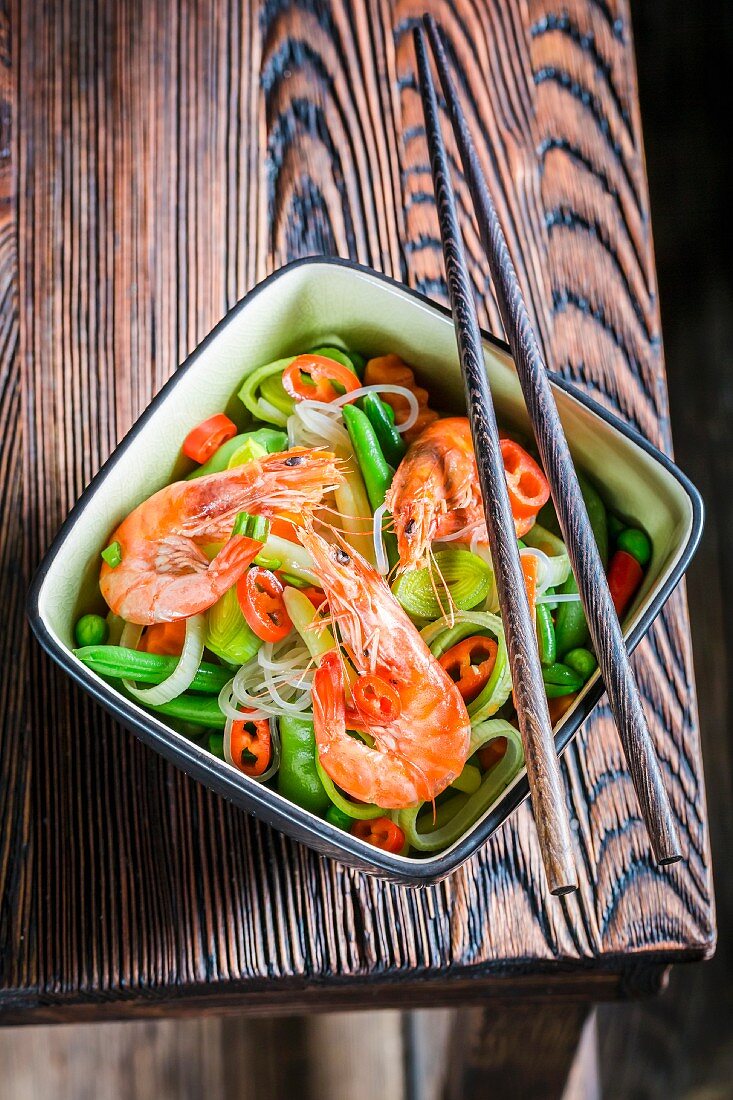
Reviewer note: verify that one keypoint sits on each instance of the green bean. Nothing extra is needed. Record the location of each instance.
(571, 628)
(391, 442)
(91, 630)
(201, 710)
(545, 634)
(375, 469)
(216, 744)
(636, 543)
(121, 663)
(582, 661)
(560, 680)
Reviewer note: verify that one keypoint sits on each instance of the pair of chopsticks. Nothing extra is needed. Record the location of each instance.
(545, 782)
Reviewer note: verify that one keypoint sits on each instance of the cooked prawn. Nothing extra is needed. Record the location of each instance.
(164, 574)
(435, 493)
(424, 744)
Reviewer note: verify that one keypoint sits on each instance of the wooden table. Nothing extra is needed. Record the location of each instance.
(156, 161)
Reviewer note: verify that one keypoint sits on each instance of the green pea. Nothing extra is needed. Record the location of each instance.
(582, 661)
(216, 745)
(338, 818)
(91, 630)
(545, 634)
(561, 676)
(636, 543)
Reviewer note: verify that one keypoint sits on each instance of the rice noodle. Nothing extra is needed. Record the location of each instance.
(384, 387)
(380, 552)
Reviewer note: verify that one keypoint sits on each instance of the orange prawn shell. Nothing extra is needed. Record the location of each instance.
(425, 748)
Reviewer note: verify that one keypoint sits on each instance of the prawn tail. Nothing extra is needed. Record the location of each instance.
(230, 563)
(329, 704)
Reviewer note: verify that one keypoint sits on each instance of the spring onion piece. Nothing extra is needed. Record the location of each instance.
(249, 450)
(455, 579)
(352, 503)
(303, 616)
(468, 781)
(441, 636)
(183, 674)
(476, 805)
(293, 558)
(228, 634)
(112, 554)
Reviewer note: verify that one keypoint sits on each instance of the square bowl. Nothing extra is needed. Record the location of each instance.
(317, 301)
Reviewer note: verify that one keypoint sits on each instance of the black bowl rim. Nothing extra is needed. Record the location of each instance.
(254, 798)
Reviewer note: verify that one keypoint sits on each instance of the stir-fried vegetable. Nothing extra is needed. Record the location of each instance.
(206, 438)
(294, 649)
(456, 579)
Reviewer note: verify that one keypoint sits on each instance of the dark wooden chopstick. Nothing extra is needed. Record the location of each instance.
(545, 782)
(603, 623)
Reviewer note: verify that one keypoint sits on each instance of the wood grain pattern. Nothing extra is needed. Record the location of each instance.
(543, 769)
(168, 156)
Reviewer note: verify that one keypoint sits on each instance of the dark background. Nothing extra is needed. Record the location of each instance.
(681, 1045)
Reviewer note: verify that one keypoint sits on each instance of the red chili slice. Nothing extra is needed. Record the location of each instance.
(470, 663)
(381, 832)
(206, 439)
(376, 699)
(322, 373)
(260, 596)
(251, 745)
(528, 487)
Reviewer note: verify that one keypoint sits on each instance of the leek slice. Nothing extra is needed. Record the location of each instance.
(251, 389)
(455, 578)
(474, 807)
(555, 568)
(228, 634)
(440, 636)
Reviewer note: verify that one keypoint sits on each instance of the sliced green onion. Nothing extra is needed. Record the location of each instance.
(441, 636)
(228, 634)
(183, 674)
(112, 554)
(252, 527)
(248, 452)
(293, 558)
(455, 578)
(492, 784)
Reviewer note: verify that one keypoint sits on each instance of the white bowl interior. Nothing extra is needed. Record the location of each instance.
(320, 303)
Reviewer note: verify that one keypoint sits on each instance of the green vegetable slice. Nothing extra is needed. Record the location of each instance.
(467, 577)
(441, 636)
(272, 441)
(469, 811)
(228, 634)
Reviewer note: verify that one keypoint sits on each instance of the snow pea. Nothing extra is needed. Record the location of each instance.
(391, 442)
(297, 778)
(582, 661)
(268, 438)
(560, 680)
(571, 628)
(120, 663)
(545, 634)
(375, 469)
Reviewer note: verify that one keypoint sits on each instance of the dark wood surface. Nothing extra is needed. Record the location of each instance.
(157, 160)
